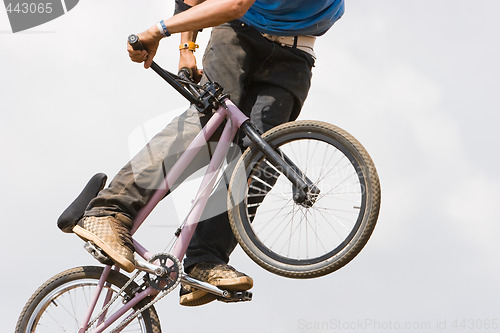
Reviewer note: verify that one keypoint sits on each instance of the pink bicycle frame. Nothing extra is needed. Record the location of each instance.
(234, 120)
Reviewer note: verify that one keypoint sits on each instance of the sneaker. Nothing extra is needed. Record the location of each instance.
(220, 275)
(112, 235)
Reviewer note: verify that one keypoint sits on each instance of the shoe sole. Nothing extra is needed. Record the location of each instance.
(200, 297)
(119, 260)
(196, 298)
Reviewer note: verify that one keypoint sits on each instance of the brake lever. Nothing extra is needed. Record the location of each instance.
(186, 74)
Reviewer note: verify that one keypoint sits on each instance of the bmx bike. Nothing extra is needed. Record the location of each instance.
(303, 200)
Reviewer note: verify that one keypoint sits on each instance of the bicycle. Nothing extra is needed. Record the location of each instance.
(303, 200)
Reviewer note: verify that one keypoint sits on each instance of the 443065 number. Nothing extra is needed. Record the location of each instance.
(32, 8)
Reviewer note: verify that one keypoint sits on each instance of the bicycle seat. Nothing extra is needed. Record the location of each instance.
(71, 215)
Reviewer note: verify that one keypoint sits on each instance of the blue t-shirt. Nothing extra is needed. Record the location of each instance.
(294, 17)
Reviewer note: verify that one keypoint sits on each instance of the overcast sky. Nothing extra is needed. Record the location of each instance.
(415, 81)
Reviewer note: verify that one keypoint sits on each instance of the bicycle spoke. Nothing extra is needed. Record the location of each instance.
(281, 195)
(330, 169)
(261, 181)
(307, 225)
(64, 328)
(65, 308)
(272, 219)
(332, 226)
(292, 213)
(318, 238)
(324, 165)
(280, 209)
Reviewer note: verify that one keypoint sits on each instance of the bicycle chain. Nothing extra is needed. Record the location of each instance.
(158, 297)
(144, 308)
(105, 308)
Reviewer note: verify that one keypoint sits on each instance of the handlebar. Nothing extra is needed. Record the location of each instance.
(166, 75)
(205, 98)
(185, 73)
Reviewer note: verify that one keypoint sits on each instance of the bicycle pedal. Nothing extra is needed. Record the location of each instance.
(237, 296)
(98, 253)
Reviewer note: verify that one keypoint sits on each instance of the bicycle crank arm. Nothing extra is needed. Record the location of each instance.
(224, 295)
(150, 268)
(186, 279)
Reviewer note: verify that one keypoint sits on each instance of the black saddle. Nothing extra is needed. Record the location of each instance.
(70, 217)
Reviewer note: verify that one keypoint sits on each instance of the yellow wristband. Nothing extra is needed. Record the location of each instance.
(189, 45)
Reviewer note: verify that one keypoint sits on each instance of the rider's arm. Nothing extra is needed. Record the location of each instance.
(209, 13)
(187, 58)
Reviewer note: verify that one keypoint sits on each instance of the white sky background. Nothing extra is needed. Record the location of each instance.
(415, 81)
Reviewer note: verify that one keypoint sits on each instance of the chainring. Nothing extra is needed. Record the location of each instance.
(173, 269)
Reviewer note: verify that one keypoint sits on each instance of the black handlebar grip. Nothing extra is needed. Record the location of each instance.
(134, 41)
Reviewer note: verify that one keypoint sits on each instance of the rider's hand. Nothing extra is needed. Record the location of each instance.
(187, 59)
(150, 39)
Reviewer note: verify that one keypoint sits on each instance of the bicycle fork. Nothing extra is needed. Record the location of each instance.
(304, 191)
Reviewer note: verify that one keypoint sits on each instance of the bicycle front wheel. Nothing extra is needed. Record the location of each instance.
(61, 303)
(297, 239)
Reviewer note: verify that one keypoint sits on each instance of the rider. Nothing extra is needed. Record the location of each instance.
(261, 52)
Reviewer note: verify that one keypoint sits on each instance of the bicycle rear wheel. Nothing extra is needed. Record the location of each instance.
(61, 303)
(300, 240)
